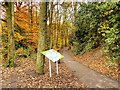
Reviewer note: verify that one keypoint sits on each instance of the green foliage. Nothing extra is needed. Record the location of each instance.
(75, 48)
(112, 43)
(24, 52)
(87, 23)
(110, 26)
(9, 63)
(28, 51)
(110, 63)
(98, 24)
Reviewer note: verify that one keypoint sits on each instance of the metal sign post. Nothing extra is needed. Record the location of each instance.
(57, 66)
(50, 68)
(54, 56)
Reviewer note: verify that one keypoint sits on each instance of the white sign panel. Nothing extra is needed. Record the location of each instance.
(52, 55)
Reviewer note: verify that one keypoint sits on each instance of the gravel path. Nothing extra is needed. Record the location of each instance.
(96, 60)
(88, 76)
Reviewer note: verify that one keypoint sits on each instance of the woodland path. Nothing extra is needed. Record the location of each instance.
(86, 75)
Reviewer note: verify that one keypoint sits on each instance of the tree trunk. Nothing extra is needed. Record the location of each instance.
(62, 37)
(0, 34)
(57, 27)
(48, 28)
(51, 31)
(41, 41)
(10, 27)
(66, 38)
(65, 32)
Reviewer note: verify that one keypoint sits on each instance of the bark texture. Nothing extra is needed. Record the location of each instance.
(41, 40)
(10, 28)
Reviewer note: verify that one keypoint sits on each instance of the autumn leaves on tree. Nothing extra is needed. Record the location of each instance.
(29, 28)
(35, 25)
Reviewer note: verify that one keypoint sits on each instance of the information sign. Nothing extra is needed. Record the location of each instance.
(54, 56)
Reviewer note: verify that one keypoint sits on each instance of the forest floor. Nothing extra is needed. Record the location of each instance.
(24, 76)
(96, 60)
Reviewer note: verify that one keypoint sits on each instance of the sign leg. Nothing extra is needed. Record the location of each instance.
(50, 68)
(57, 66)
